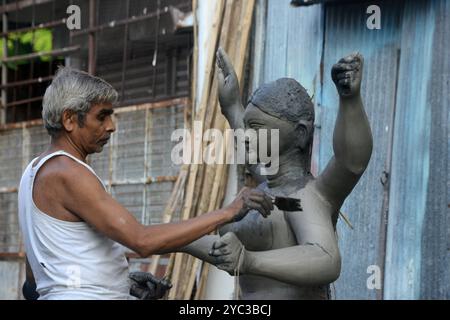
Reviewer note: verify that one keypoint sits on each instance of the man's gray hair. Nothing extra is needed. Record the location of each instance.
(73, 90)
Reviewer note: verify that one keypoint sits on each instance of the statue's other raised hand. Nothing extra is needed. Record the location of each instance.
(347, 75)
(229, 94)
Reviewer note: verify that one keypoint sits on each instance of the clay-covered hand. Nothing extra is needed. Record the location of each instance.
(145, 286)
(248, 199)
(228, 84)
(229, 254)
(347, 75)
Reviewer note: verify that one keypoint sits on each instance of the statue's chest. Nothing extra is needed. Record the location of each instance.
(257, 233)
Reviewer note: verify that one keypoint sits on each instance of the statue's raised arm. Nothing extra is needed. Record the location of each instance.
(229, 93)
(352, 139)
(230, 101)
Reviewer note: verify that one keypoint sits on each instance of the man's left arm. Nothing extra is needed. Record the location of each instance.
(352, 139)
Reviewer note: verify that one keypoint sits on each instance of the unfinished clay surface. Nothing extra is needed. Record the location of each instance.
(292, 255)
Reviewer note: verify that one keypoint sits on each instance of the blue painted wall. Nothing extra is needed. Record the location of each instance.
(417, 260)
(402, 226)
(346, 32)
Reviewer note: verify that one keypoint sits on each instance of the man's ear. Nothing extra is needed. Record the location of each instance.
(304, 129)
(69, 120)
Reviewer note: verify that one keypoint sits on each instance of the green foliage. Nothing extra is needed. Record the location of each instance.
(28, 42)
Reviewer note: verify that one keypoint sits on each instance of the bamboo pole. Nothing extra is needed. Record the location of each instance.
(227, 40)
(201, 287)
(194, 71)
(230, 9)
(206, 184)
(219, 186)
(193, 168)
(210, 64)
(216, 174)
(171, 206)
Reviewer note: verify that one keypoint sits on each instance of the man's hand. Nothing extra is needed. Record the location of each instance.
(229, 253)
(249, 199)
(347, 75)
(229, 94)
(145, 286)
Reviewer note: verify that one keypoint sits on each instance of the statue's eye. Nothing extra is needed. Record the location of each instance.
(255, 125)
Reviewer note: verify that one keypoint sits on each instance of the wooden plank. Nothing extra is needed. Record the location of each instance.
(228, 43)
(191, 279)
(174, 200)
(194, 79)
(236, 21)
(237, 48)
(193, 169)
(205, 173)
(12, 255)
(201, 287)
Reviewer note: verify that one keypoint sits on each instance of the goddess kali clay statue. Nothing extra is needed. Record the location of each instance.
(292, 255)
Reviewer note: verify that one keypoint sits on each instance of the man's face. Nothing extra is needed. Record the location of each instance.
(97, 128)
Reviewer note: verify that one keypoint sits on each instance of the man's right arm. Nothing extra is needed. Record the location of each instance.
(85, 197)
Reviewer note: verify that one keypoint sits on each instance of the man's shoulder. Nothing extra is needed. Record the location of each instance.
(67, 179)
(62, 168)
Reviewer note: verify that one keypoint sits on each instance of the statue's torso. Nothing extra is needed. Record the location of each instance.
(274, 232)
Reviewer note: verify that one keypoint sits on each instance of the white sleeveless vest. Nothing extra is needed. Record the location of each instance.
(70, 260)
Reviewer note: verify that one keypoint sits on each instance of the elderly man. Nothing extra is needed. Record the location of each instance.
(72, 227)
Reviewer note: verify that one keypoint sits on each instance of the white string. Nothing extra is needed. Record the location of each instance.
(237, 288)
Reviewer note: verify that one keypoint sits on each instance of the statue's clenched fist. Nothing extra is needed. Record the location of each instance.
(347, 75)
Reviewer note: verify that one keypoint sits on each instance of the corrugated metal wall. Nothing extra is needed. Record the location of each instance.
(418, 264)
(405, 92)
(346, 32)
(435, 264)
(285, 53)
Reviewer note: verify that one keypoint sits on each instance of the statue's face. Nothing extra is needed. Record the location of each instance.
(256, 119)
